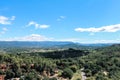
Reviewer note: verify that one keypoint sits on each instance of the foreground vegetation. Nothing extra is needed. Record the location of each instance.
(98, 64)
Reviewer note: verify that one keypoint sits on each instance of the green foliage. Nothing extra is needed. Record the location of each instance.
(100, 77)
(94, 62)
(78, 79)
(45, 78)
(73, 68)
(10, 74)
(70, 53)
(104, 59)
(2, 72)
(32, 76)
(18, 73)
(67, 73)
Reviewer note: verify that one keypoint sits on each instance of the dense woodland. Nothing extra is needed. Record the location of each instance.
(98, 64)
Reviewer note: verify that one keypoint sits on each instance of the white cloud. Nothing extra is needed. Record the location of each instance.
(110, 28)
(36, 25)
(6, 20)
(61, 18)
(69, 39)
(32, 37)
(43, 26)
(31, 23)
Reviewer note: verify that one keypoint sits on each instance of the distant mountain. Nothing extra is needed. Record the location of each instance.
(32, 43)
(98, 44)
(49, 44)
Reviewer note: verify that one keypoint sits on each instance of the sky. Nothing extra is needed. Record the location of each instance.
(83, 21)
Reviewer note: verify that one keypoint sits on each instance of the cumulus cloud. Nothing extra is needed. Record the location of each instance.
(32, 37)
(43, 26)
(6, 20)
(61, 18)
(110, 28)
(36, 25)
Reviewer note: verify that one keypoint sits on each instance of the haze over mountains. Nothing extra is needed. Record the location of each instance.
(48, 44)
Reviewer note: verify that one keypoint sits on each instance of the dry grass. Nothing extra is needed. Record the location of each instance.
(76, 75)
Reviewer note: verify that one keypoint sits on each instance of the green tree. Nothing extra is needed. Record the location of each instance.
(67, 73)
(73, 68)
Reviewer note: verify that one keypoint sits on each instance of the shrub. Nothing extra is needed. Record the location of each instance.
(73, 68)
(67, 73)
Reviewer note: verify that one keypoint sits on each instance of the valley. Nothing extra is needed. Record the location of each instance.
(71, 63)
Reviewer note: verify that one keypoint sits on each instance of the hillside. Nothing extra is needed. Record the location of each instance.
(104, 63)
(101, 63)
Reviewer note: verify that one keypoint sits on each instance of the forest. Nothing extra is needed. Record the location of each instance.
(101, 63)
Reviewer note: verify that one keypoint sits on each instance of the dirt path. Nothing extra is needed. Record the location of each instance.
(83, 74)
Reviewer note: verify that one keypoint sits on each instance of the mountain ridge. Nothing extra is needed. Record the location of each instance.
(49, 44)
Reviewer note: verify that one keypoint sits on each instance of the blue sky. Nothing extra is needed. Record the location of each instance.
(84, 21)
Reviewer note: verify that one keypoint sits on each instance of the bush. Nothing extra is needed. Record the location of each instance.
(78, 79)
(32, 76)
(101, 78)
(73, 68)
(67, 73)
(18, 73)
